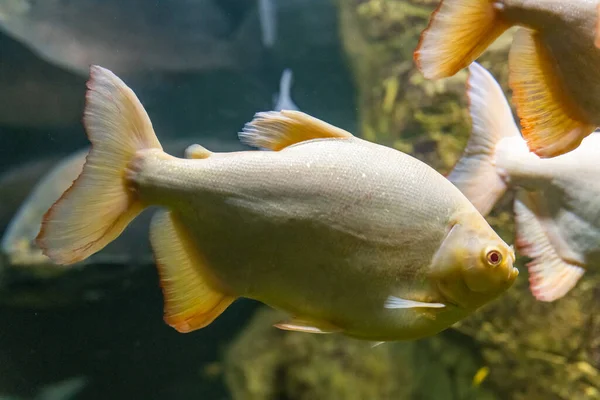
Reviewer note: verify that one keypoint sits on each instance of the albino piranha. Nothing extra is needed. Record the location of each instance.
(557, 212)
(553, 61)
(344, 235)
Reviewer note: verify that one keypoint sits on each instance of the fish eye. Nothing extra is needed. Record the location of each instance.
(494, 257)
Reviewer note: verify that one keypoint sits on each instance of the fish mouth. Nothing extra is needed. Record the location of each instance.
(513, 272)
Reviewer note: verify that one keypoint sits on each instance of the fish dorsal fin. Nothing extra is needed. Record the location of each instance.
(302, 325)
(275, 130)
(550, 277)
(196, 151)
(191, 301)
(548, 120)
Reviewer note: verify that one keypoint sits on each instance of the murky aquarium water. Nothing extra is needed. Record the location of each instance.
(299, 199)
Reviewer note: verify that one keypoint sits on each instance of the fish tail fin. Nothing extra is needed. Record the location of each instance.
(476, 174)
(458, 32)
(100, 203)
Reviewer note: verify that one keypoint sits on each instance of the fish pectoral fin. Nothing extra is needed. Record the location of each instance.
(196, 151)
(549, 120)
(300, 325)
(275, 130)
(393, 302)
(458, 32)
(191, 301)
(375, 344)
(550, 277)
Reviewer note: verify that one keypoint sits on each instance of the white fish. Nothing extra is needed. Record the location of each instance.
(132, 36)
(345, 235)
(557, 212)
(283, 100)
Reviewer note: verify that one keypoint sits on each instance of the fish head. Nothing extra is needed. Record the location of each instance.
(473, 264)
(13, 8)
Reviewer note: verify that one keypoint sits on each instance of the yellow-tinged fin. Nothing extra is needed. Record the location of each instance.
(192, 300)
(275, 130)
(458, 32)
(475, 174)
(548, 119)
(301, 325)
(99, 204)
(550, 277)
(196, 151)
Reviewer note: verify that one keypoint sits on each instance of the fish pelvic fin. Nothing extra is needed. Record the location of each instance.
(302, 325)
(549, 122)
(275, 130)
(100, 203)
(192, 299)
(458, 32)
(550, 277)
(475, 174)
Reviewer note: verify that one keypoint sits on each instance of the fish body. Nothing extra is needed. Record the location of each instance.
(345, 235)
(129, 36)
(556, 209)
(552, 61)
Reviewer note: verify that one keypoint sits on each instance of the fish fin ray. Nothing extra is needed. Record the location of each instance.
(458, 32)
(275, 130)
(548, 121)
(475, 174)
(393, 302)
(191, 301)
(99, 205)
(302, 325)
(550, 277)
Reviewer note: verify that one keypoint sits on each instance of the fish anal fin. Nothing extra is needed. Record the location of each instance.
(458, 32)
(275, 130)
(550, 276)
(549, 122)
(192, 300)
(301, 325)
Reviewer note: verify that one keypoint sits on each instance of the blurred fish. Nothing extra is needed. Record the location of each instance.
(19, 238)
(267, 12)
(553, 72)
(345, 235)
(65, 390)
(132, 36)
(556, 209)
(283, 100)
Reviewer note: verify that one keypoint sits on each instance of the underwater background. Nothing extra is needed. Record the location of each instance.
(96, 331)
